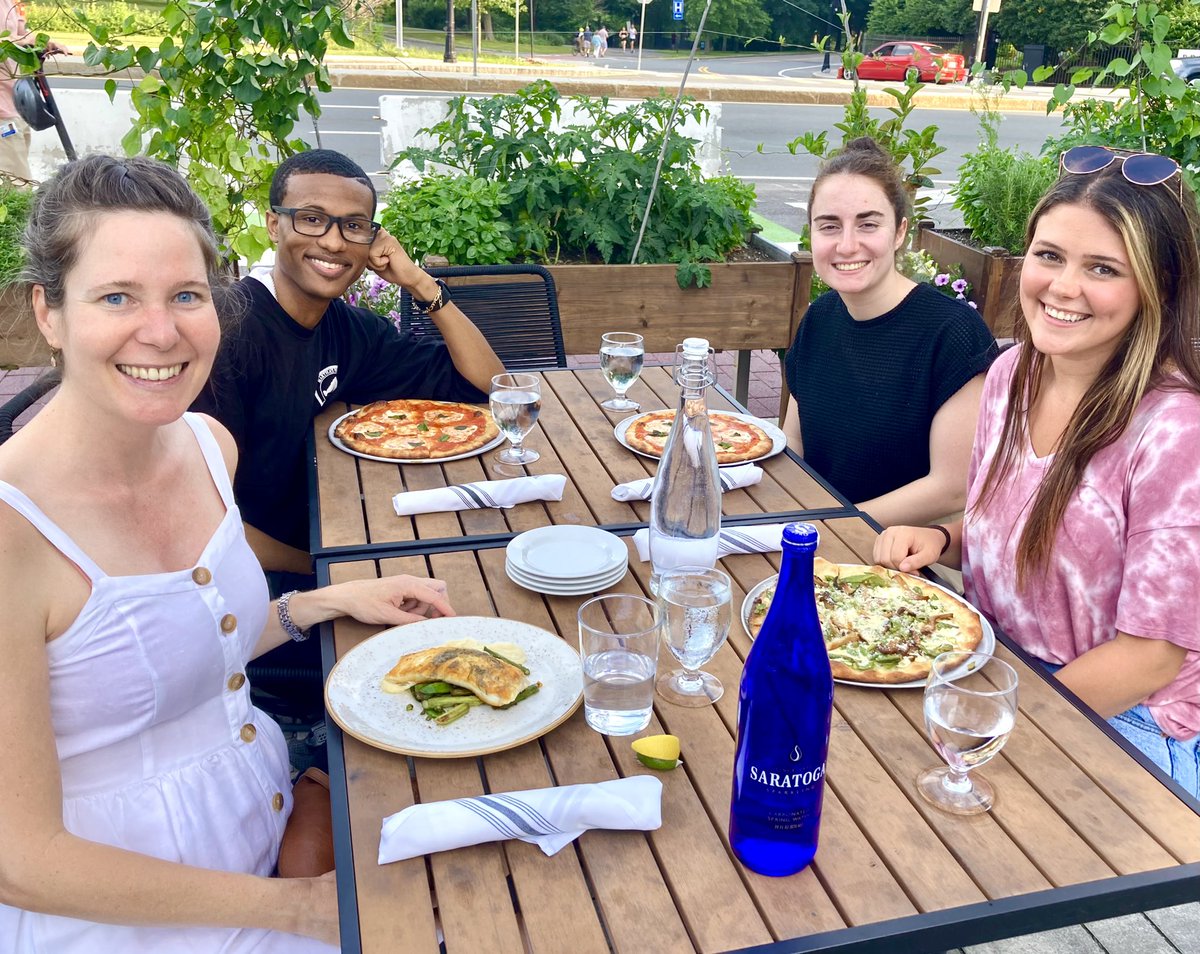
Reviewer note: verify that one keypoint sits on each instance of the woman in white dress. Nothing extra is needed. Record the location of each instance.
(144, 796)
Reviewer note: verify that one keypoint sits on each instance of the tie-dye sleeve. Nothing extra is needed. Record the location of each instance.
(1162, 557)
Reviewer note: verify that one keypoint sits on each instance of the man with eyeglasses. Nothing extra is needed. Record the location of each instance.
(299, 345)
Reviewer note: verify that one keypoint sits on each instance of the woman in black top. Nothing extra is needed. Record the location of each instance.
(886, 374)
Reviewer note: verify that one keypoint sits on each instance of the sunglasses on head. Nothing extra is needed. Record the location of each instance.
(1140, 168)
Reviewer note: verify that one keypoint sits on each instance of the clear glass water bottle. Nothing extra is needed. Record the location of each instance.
(785, 704)
(685, 502)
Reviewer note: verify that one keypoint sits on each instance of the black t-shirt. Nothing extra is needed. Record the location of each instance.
(867, 391)
(273, 376)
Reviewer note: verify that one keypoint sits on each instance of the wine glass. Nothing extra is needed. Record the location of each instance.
(516, 400)
(969, 717)
(621, 357)
(695, 606)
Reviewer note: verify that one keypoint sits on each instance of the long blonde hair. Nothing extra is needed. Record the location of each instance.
(1160, 349)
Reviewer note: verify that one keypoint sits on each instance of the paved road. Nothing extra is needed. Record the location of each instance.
(350, 123)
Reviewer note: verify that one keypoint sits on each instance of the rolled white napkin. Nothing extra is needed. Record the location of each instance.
(549, 817)
(744, 475)
(756, 538)
(480, 494)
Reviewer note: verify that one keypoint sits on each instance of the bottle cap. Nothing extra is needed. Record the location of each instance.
(695, 347)
(802, 535)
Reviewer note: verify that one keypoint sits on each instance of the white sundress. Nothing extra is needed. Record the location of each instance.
(160, 748)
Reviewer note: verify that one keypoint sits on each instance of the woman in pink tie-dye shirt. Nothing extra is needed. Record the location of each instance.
(1082, 529)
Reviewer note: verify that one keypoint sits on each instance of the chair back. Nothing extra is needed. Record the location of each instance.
(19, 403)
(514, 306)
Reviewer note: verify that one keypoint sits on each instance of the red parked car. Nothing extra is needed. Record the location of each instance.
(892, 61)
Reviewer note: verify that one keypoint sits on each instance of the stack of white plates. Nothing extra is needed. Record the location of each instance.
(566, 561)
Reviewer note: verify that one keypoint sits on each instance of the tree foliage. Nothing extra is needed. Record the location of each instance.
(922, 17)
(221, 96)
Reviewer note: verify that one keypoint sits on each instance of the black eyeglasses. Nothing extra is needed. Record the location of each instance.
(353, 228)
(1140, 168)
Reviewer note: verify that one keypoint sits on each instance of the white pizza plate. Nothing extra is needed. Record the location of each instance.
(494, 442)
(778, 441)
(987, 644)
(567, 553)
(574, 588)
(357, 703)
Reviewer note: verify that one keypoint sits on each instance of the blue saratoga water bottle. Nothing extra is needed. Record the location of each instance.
(785, 704)
(685, 503)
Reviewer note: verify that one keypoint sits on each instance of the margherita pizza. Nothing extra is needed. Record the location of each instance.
(882, 625)
(416, 430)
(736, 440)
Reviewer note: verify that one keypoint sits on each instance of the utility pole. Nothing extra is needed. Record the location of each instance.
(983, 19)
(449, 56)
(399, 24)
(642, 32)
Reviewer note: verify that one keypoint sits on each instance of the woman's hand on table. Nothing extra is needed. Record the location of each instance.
(908, 549)
(390, 601)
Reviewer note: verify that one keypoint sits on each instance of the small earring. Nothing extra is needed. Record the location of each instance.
(54, 355)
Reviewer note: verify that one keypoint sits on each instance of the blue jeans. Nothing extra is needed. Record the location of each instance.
(1180, 760)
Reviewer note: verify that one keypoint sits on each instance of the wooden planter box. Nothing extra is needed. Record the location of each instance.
(21, 344)
(995, 276)
(749, 305)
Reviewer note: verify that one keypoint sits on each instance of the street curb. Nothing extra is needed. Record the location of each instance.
(396, 74)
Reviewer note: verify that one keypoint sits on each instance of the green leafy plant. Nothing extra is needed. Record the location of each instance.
(911, 149)
(1159, 111)
(221, 95)
(115, 15)
(14, 210)
(579, 190)
(998, 187)
(460, 217)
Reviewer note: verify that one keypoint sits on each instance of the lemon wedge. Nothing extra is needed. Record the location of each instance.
(659, 752)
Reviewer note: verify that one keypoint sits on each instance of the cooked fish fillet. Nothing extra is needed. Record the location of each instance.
(494, 681)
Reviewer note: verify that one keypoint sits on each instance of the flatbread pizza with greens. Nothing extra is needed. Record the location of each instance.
(880, 625)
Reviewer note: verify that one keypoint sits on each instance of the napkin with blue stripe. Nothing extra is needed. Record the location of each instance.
(550, 818)
(480, 494)
(744, 475)
(751, 538)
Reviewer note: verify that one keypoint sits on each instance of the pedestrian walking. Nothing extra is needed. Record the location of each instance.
(603, 34)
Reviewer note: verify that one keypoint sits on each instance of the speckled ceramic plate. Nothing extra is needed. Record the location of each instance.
(986, 645)
(357, 703)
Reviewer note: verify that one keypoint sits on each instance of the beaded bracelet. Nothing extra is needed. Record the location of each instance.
(285, 618)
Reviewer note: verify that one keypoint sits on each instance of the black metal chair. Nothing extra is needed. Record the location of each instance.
(15, 406)
(517, 312)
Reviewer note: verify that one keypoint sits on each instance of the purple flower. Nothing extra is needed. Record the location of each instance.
(972, 304)
(960, 297)
(960, 285)
(941, 280)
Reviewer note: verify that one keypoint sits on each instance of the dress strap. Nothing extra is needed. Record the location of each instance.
(212, 456)
(55, 534)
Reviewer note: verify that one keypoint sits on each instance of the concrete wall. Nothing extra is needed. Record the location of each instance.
(403, 116)
(93, 123)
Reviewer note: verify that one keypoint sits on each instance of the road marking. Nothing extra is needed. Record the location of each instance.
(349, 132)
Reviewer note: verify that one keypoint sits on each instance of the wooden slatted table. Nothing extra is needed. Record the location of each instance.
(1080, 829)
(352, 510)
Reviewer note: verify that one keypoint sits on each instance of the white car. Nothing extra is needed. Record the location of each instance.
(1187, 67)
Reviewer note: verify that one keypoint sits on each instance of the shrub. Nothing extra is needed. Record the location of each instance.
(14, 210)
(460, 217)
(113, 15)
(581, 190)
(998, 188)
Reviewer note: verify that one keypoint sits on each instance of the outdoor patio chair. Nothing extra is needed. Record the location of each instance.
(515, 306)
(23, 400)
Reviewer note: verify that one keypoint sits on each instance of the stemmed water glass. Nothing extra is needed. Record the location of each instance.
(969, 716)
(695, 607)
(516, 400)
(621, 357)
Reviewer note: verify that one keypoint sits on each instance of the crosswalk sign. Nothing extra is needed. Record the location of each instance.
(676, 9)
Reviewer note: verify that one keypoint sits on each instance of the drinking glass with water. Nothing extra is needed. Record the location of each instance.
(618, 641)
(516, 400)
(969, 715)
(695, 605)
(621, 356)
